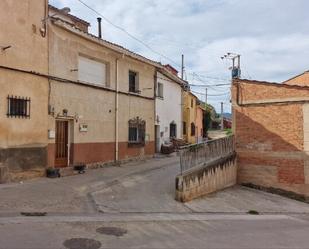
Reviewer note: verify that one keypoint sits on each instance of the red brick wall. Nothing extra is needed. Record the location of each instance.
(256, 91)
(301, 80)
(269, 136)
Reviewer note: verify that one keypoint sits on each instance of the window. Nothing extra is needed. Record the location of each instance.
(137, 128)
(191, 103)
(192, 129)
(160, 90)
(92, 71)
(133, 82)
(133, 134)
(184, 128)
(18, 107)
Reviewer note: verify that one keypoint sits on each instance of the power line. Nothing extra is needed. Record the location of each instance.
(212, 95)
(199, 85)
(128, 33)
(141, 41)
(199, 76)
(134, 37)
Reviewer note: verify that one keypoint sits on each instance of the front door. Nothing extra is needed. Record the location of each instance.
(61, 144)
(173, 130)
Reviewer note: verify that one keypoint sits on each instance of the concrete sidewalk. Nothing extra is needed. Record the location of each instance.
(143, 187)
(71, 194)
(133, 206)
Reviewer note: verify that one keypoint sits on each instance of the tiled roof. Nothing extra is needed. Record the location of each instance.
(70, 15)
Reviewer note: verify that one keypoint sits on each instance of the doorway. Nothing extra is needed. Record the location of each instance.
(173, 130)
(158, 138)
(61, 144)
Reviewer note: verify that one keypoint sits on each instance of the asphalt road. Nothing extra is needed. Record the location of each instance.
(134, 207)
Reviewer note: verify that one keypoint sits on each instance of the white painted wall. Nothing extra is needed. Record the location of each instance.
(169, 108)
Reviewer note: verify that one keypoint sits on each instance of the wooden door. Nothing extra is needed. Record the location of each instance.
(61, 144)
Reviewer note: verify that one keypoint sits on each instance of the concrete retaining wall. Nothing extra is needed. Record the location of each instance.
(210, 178)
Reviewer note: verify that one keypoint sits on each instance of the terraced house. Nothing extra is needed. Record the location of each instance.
(169, 101)
(190, 133)
(69, 97)
(24, 89)
(104, 109)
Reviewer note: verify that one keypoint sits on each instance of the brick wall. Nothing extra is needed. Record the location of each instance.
(301, 80)
(269, 129)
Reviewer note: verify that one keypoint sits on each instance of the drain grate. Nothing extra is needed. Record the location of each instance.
(33, 213)
(114, 231)
(82, 243)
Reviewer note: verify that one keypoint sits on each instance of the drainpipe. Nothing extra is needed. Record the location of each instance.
(182, 110)
(155, 108)
(116, 115)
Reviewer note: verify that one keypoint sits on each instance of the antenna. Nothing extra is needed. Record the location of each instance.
(236, 71)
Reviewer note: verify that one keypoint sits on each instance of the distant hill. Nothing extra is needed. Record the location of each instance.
(227, 115)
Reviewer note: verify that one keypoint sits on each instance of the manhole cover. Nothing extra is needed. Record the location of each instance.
(115, 231)
(33, 213)
(82, 243)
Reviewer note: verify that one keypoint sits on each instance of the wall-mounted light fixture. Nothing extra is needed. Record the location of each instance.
(143, 89)
(3, 48)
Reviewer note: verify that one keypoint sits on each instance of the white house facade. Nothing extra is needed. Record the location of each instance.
(168, 106)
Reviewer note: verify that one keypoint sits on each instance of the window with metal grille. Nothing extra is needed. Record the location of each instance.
(133, 82)
(18, 107)
(137, 128)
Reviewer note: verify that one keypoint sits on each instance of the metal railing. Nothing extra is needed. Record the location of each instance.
(197, 155)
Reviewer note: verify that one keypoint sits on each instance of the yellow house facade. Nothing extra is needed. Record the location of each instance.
(189, 117)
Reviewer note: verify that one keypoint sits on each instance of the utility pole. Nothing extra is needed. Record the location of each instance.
(206, 99)
(236, 71)
(222, 123)
(182, 66)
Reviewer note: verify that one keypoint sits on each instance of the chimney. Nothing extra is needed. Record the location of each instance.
(100, 27)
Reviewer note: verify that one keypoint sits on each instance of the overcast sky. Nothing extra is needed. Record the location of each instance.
(272, 36)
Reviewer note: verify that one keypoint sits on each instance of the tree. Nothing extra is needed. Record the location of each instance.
(209, 116)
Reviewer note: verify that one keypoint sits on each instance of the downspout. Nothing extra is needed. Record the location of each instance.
(116, 114)
(155, 78)
(182, 111)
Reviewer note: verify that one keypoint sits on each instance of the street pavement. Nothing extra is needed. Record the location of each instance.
(133, 206)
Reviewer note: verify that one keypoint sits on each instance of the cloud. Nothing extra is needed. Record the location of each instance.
(272, 36)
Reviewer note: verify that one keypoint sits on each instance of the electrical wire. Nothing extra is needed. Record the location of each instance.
(128, 33)
(139, 40)
(212, 95)
(199, 85)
